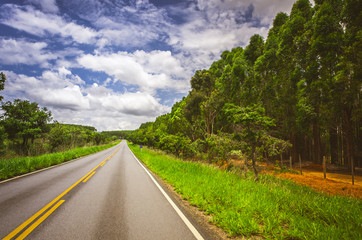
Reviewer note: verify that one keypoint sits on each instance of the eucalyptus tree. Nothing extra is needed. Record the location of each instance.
(3, 135)
(2, 83)
(348, 84)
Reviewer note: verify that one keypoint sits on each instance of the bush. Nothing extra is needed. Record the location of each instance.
(218, 148)
(3, 136)
(177, 144)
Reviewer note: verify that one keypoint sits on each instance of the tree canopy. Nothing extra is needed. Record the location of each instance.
(2, 83)
(23, 119)
(300, 89)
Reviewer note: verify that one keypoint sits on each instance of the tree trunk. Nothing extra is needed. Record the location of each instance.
(317, 144)
(340, 145)
(25, 141)
(306, 150)
(295, 144)
(310, 148)
(345, 157)
(254, 165)
(349, 137)
(333, 141)
(352, 163)
(358, 155)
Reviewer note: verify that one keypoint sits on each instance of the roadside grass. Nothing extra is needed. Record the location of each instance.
(18, 166)
(272, 208)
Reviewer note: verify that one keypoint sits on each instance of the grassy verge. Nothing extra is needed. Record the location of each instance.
(272, 208)
(17, 166)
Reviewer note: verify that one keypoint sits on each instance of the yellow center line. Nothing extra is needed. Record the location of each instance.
(85, 180)
(40, 220)
(31, 219)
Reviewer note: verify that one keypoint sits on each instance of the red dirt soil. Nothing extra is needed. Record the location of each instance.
(337, 182)
(331, 186)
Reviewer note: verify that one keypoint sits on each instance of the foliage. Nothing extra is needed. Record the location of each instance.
(271, 208)
(295, 93)
(253, 126)
(2, 83)
(3, 136)
(65, 136)
(218, 147)
(22, 119)
(123, 134)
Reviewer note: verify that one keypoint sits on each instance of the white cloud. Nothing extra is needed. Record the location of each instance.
(64, 98)
(213, 26)
(265, 11)
(46, 5)
(148, 71)
(38, 23)
(160, 62)
(123, 33)
(197, 35)
(14, 51)
(136, 104)
(52, 89)
(94, 105)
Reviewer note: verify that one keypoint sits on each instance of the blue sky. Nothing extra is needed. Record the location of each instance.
(114, 64)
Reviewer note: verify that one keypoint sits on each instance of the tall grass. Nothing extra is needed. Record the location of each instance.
(272, 208)
(18, 166)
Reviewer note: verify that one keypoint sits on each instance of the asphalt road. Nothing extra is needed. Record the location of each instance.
(108, 195)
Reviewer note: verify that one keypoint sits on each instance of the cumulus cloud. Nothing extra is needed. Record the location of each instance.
(149, 71)
(100, 44)
(242, 11)
(22, 52)
(35, 22)
(160, 62)
(121, 23)
(46, 5)
(72, 101)
(123, 34)
(136, 104)
(212, 26)
(53, 89)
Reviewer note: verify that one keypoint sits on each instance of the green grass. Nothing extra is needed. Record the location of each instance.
(18, 166)
(272, 208)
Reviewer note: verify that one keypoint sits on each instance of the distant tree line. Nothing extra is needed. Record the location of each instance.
(122, 134)
(297, 92)
(25, 129)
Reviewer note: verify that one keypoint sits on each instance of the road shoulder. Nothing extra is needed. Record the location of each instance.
(198, 218)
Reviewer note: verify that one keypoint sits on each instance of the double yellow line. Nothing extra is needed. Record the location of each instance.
(58, 203)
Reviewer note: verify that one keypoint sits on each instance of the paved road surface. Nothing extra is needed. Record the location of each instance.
(117, 200)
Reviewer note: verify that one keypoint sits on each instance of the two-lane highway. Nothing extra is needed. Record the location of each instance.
(108, 195)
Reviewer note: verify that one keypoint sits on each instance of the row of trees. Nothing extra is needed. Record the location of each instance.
(65, 136)
(118, 134)
(25, 130)
(299, 90)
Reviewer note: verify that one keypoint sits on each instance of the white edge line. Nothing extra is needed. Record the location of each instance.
(179, 212)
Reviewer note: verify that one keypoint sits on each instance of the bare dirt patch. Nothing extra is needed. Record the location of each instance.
(329, 186)
(337, 182)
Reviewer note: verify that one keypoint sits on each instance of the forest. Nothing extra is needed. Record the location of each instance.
(26, 129)
(294, 94)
